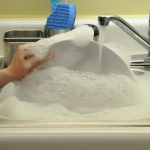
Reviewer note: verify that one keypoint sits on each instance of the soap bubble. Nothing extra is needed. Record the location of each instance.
(58, 93)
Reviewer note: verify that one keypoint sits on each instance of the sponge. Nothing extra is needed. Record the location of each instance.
(62, 17)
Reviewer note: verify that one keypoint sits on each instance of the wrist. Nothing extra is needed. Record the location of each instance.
(5, 77)
(9, 75)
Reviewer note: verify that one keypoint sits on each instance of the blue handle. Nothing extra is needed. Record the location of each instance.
(53, 2)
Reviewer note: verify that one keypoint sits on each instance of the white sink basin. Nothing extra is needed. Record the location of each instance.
(90, 135)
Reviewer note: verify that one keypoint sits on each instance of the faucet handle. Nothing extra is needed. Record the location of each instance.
(140, 60)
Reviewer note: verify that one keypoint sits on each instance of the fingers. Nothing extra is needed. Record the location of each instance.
(36, 62)
(33, 62)
(28, 56)
(28, 59)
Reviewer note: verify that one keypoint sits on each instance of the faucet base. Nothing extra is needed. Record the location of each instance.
(140, 63)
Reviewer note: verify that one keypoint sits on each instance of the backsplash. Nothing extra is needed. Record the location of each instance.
(40, 8)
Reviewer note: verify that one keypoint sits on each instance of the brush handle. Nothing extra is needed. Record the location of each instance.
(53, 2)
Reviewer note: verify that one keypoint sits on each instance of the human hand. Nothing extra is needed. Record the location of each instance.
(24, 62)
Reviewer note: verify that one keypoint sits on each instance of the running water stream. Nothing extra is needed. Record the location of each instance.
(102, 40)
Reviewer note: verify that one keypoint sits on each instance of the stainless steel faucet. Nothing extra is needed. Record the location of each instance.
(105, 20)
(142, 40)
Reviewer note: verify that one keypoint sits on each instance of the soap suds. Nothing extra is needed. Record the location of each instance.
(75, 89)
(57, 92)
(73, 38)
(41, 48)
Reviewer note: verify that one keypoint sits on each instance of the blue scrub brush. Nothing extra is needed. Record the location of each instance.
(62, 17)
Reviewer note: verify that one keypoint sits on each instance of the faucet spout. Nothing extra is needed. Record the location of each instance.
(142, 40)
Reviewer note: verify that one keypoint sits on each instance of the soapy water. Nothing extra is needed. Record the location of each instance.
(68, 47)
(79, 37)
(59, 93)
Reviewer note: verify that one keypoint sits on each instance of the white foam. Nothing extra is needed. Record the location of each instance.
(58, 94)
(79, 37)
(70, 88)
(75, 39)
